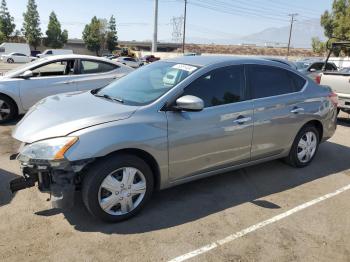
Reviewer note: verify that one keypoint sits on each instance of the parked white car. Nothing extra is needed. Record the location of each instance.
(50, 52)
(22, 87)
(17, 58)
(7, 48)
(129, 61)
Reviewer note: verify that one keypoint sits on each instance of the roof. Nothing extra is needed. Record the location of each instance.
(210, 60)
(75, 56)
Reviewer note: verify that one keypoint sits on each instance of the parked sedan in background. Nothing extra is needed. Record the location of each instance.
(17, 58)
(149, 59)
(24, 86)
(169, 123)
(129, 61)
(313, 69)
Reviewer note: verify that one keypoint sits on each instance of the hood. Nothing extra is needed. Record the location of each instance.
(63, 114)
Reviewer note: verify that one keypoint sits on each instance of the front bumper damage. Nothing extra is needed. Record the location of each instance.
(58, 178)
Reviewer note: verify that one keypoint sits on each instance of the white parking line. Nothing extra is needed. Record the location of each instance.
(250, 229)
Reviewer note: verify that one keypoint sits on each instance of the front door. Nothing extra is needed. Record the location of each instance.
(48, 79)
(220, 135)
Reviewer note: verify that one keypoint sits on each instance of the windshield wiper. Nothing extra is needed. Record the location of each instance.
(110, 98)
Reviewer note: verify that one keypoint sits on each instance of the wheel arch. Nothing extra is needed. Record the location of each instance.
(318, 125)
(146, 156)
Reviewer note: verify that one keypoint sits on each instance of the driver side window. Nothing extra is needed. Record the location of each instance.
(57, 68)
(219, 87)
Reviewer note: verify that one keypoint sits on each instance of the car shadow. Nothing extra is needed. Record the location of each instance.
(6, 195)
(13, 122)
(195, 200)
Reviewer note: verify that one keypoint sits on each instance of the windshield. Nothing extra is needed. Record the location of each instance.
(20, 69)
(146, 84)
(301, 65)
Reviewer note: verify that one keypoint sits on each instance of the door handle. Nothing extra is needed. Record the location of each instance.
(297, 110)
(67, 82)
(241, 120)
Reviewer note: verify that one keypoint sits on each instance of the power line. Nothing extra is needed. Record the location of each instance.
(227, 10)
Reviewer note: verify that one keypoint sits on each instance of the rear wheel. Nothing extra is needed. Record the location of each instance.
(117, 188)
(8, 109)
(304, 147)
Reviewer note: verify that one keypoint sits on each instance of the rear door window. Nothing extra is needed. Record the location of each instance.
(268, 81)
(94, 67)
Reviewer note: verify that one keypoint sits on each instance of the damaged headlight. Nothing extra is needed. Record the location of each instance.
(51, 149)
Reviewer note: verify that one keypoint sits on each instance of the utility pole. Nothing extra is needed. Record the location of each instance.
(184, 33)
(290, 31)
(155, 30)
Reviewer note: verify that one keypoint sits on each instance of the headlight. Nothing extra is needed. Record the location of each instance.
(51, 149)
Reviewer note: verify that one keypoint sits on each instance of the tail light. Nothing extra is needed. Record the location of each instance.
(334, 98)
(318, 79)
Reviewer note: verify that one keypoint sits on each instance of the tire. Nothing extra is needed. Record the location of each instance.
(108, 175)
(8, 109)
(10, 61)
(293, 159)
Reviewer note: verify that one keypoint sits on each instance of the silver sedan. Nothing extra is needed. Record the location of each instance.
(24, 86)
(168, 123)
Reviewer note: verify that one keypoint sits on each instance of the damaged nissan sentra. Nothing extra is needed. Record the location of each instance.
(169, 123)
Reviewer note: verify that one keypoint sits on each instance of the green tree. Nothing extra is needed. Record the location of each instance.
(94, 35)
(7, 25)
(55, 37)
(111, 37)
(336, 23)
(318, 47)
(31, 25)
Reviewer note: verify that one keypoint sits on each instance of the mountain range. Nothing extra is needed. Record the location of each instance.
(303, 31)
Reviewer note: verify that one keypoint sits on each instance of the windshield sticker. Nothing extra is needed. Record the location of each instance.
(183, 67)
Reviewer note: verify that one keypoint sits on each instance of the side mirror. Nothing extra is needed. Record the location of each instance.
(313, 70)
(189, 103)
(27, 74)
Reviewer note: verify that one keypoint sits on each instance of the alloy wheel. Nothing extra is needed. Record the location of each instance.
(5, 110)
(307, 147)
(122, 191)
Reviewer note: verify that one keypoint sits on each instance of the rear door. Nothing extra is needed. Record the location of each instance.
(218, 136)
(49, 79)
(278, 108)
(96, 74)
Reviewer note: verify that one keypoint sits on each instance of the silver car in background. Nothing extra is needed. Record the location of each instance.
(24, 86)
(168, 123)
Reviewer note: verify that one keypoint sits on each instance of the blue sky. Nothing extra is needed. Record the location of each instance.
(211, 19)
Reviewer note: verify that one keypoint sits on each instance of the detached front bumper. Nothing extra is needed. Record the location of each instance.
(58, 178)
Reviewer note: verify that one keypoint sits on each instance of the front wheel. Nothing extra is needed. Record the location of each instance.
(10, 61)
(117, 188)
(304, 147)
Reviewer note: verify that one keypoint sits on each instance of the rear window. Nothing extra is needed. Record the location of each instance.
(299, 82)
